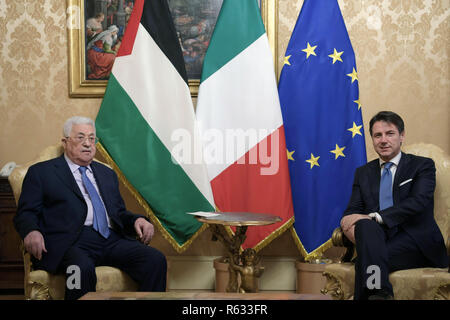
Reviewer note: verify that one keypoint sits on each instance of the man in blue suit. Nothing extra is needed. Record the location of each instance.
(390, 214)
(71, 213)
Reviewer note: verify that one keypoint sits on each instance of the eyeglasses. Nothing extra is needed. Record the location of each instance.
(82, 139)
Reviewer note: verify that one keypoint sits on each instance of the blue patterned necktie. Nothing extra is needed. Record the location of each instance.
(386, 187)
(100, 223)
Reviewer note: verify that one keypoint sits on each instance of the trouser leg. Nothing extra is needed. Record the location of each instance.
(386, 250)
(79, 268)
(372, 259)
(404, 253)
(144, 264)
(79, 263)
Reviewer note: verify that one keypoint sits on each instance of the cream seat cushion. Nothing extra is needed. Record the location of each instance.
(109, 279)
(410, 284)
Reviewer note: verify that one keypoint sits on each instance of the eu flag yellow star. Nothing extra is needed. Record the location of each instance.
(336, 56)
(314, 161)
(309, 50)
(289, 155)
(338, 152)
(355, 130)
(286, 60)
(353, 75)
(358, 103)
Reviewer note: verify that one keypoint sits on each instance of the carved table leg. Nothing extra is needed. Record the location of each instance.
(233, 245)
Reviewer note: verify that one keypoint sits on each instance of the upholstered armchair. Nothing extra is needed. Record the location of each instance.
(41, 285)
(415, 284)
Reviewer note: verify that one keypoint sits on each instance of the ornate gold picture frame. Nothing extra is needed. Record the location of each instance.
(81, 87)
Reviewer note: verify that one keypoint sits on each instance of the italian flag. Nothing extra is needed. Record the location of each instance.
(146, 108)
(241, 123)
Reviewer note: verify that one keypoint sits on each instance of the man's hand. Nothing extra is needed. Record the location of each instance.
(144, 230)
(348, 224)
(34, 244)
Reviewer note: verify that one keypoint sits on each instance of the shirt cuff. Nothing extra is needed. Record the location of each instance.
(377, 217)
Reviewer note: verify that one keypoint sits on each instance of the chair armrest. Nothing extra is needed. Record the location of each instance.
(340, 240)
(27, 266)
(448, 252)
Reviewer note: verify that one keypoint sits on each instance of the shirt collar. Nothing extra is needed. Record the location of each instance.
(73, 166)
(395, 160)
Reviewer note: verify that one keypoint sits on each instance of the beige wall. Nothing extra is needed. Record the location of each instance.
(402, 53)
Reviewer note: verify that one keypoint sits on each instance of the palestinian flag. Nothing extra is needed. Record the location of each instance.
(240, 118)
(146, 110)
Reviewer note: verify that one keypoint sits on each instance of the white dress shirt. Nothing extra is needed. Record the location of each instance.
(74, 168)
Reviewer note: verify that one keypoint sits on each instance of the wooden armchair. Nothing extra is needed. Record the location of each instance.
(415, 284)
(41, 285)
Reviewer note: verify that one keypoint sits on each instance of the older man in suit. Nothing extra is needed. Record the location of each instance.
(390, 214)
(71, 213)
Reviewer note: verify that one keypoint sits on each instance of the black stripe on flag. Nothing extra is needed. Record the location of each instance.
(157, 20)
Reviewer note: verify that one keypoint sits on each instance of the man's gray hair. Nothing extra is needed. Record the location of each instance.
(76, 120)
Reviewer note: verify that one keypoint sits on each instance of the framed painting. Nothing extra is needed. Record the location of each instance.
(97, 25)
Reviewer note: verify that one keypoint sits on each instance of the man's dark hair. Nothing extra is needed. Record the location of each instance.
(389, 117)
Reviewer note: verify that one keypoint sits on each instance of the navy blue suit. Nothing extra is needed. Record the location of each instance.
(51, 202)
(409, 236)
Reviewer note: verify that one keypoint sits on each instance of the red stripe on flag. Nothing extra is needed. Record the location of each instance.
(242, 187)
(131, 30)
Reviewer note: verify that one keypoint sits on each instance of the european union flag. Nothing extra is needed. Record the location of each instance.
(322, 120)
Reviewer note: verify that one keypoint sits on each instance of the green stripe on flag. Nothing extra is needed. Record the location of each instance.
(147, 164)
(229, 39)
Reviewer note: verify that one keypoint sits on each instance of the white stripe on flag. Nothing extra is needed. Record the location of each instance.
(163, 99)
(245, 86)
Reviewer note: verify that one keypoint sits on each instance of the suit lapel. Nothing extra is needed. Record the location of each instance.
(63, 172)
(399, 175)
(375, 176)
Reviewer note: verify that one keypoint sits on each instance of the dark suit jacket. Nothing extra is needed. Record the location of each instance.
(51, 202)
(413, 202)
